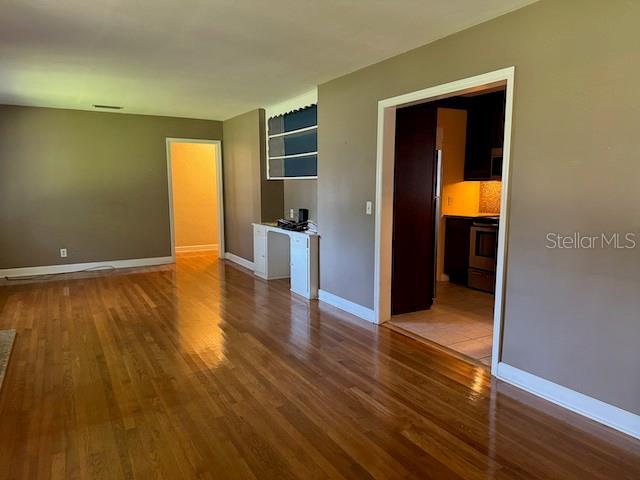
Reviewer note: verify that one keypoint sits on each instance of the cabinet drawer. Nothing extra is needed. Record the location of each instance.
(482, 280)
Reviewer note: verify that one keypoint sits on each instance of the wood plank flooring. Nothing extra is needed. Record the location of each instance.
(200, 370)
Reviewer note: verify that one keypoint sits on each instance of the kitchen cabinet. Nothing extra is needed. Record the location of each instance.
(485, 136)
(456, 248)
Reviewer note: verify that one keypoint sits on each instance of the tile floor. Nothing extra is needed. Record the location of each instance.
(461, 319)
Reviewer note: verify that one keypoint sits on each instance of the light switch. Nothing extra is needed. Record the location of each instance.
(369, 207)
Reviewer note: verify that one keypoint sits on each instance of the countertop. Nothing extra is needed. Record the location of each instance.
(479, 215)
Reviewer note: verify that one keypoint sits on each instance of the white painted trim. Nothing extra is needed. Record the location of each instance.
(384, 190)
(243, 262)
(590, 407)
(197, 248)
(293, 132)
(219, 187)
(296, 155)
(79, 267)
(346, 305)
(294, 103)
(293, 178)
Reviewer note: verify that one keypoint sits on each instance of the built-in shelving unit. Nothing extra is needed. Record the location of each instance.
(292, 144)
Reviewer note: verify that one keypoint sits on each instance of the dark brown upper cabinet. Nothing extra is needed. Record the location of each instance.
(485, 136)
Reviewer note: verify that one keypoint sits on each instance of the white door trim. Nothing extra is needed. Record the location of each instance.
(219, 189)
(384, 191)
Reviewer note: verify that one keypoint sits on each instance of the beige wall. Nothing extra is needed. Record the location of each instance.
(301, 194)
(571, 316)
(195, 202)
(94, 183)
(249, 196)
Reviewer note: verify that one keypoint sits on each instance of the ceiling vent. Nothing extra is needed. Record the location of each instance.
(108, 107)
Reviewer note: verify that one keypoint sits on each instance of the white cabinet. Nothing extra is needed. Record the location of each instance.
(260, 251)
(280, 253)
(300, 265)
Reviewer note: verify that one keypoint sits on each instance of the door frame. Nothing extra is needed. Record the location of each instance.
(219, 189)
(384, 191)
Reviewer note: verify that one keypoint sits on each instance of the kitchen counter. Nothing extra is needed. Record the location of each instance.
(479, 215)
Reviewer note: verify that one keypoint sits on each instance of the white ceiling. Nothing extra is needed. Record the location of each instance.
(207, 58)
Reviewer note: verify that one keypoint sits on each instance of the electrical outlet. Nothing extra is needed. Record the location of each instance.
(449, 201)
(292, 214)
(369, 207)
(63, 253)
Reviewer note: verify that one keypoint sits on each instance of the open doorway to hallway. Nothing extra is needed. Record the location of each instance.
(196, 197)
(442, 231)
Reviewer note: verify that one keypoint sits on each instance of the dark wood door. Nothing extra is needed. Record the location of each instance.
(412, 274)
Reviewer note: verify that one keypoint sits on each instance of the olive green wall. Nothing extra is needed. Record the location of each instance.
(571, 315)
(92, 182)
(249, 196)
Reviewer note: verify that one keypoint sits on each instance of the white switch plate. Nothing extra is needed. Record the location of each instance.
(369, 207)
(291, 214)
(63, 253)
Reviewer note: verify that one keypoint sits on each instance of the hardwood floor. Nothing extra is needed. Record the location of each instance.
(203, 371)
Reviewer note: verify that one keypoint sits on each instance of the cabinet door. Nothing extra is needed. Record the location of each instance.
(300, 265)
(477, 165)
(485, 134)
(260, 252)
(456, 249)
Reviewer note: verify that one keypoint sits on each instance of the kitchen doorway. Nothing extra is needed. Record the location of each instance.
(410, 250)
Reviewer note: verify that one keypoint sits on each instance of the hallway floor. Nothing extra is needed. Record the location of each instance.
(461, 319)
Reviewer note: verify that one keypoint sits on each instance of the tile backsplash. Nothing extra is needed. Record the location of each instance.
(490, 195)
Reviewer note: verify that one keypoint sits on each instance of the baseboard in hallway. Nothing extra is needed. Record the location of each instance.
(197, 248)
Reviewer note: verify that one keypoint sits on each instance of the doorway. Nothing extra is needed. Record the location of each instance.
(398, 155)
(195, 196)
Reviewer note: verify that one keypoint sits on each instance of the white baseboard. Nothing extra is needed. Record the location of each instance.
(197, 248)
(592, 408)
(78, 267)
(347, 305)
(243, 262)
